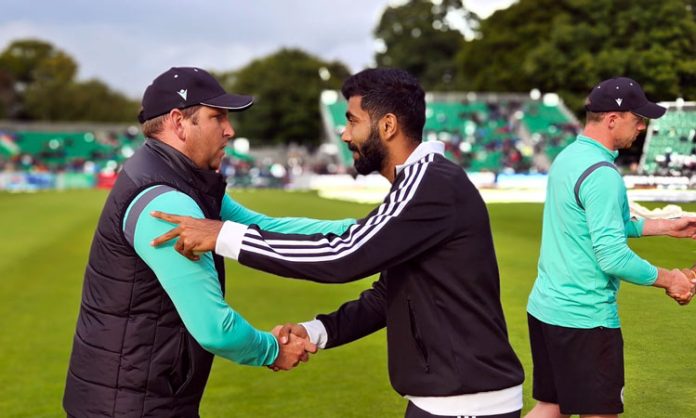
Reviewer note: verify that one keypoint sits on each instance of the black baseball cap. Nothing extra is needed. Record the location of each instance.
(621, 94)
(182, 87)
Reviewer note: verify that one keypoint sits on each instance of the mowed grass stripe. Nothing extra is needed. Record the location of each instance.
(45, 242)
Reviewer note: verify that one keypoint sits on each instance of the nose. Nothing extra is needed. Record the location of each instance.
(345, 136)
(228, 130)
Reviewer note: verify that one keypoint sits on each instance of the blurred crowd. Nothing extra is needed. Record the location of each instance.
(495, 137)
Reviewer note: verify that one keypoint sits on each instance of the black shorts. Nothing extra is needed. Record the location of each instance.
(581, 370)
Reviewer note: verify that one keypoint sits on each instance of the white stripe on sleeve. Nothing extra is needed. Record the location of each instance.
(321, 249)
(229, 240)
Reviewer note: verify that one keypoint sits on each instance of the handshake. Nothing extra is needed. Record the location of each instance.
(679, 284)
(294, 346)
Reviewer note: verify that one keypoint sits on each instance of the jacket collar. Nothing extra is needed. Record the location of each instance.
(423, 149)
(209, 182)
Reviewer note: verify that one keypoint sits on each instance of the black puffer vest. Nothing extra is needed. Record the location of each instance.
(132, 355)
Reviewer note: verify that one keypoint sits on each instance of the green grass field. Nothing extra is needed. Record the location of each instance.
(44, 247)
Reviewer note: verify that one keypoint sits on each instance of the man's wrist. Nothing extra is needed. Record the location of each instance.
(664, 227)
(664, 278)
(316, 332)
(652, 227)
(229, 240)
(275, 349)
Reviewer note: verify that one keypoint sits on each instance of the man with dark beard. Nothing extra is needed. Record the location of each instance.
(372, 155)
(438, 293)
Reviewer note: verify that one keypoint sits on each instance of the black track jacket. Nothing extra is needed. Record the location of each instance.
(438, 293)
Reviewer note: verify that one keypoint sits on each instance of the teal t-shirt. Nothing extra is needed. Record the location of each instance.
(193, 286)
(584, 253)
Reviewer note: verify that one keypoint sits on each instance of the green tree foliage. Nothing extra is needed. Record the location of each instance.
(286, 86)
(29, 60)
(32, 62)
(37, 82)
(7, 94)
(567, 46)
(91, 101)
(418, 38)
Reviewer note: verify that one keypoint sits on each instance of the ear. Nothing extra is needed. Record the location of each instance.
(388, 126)
(176, 118)
(611, 119)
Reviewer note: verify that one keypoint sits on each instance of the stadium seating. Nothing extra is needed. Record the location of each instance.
(481, 132)
(61, 150)
(671, 141)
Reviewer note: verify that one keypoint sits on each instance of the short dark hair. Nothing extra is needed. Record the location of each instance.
(390, 90)
(590, 116)
(594, 117)
(152, 127)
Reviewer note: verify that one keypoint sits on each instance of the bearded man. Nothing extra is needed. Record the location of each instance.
(438, 293)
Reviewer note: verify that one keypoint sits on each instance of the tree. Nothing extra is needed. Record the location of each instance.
(286, 86)
(568, 46)
(418, 38)
(29, 60)
(7, 94)
(91, 101)
(37, 82)
(491, 61)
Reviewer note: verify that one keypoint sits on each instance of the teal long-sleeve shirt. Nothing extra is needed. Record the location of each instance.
(193, 286)
(584, 253)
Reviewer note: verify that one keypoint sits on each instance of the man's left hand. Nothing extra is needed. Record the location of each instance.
(681, 227)
(196, 236)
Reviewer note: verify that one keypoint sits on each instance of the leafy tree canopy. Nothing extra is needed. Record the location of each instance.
(418, 37)
(567, 46)
(287, 86)
(37, 82)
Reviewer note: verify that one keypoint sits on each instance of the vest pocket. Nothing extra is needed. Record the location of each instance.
(182, 369)
(420, 345)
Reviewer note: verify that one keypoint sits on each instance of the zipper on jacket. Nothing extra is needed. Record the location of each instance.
(416, 336)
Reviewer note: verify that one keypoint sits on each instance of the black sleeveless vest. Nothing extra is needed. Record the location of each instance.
(132, 355)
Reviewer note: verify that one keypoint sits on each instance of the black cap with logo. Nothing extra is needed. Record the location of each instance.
(621, 94)
(181, 87)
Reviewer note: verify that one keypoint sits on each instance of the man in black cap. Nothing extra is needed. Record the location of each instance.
(574, 327)
(150, 321)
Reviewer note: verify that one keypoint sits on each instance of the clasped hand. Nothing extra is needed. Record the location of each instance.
(684, 227)
(293, 346)
(682, 286)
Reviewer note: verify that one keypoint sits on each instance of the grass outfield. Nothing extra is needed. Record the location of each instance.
(45, 242)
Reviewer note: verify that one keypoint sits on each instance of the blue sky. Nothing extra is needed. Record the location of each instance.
(127, 43)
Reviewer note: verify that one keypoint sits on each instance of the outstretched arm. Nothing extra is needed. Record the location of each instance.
(353, 320)
(602, 198)
(684, 227)
(415, 217)
(194, 288)
(678, 284)
(235, 212)
(602, 195)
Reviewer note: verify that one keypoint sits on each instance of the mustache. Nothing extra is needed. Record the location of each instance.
(353, 148)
